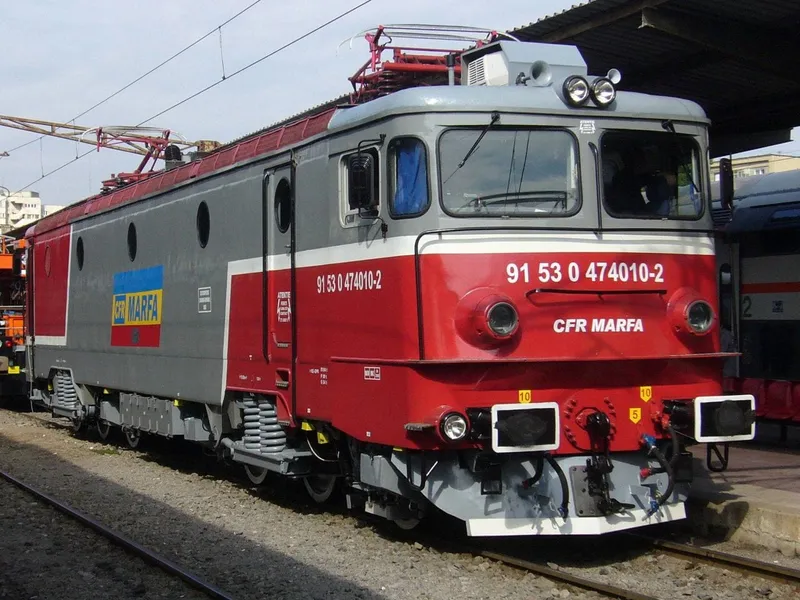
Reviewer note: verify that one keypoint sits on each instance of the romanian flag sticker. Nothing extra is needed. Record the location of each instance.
(136, 308)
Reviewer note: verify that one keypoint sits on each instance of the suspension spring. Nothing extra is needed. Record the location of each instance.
(273, 437)
(66, 396)
(252, 435)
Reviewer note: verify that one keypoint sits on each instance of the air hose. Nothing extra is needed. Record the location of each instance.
(649, 442)
(563, 510)
(537, 476)
(676, 447)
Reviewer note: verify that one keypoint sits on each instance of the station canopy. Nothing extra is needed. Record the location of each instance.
(738, 59)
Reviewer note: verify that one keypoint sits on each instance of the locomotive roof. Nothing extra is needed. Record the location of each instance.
(339, 116)
(519, 99)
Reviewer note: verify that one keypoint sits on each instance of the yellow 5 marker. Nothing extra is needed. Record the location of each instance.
(524, 396)
(635, 415)
(646, 393)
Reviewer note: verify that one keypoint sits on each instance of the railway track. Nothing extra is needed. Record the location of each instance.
(568, 578)
(727, 560)
(715, 558)
(121, 540)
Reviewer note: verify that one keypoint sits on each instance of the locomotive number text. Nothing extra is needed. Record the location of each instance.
(554, 272)
(353, 281)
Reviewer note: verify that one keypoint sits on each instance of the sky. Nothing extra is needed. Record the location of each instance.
(63, 57)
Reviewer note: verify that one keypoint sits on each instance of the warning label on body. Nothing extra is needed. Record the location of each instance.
(204, 300)
(284, 307)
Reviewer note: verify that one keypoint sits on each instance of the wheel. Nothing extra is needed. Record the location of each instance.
(412, 517)
(78, 424)
(103, 428)
(407, 523)
(256, 475)
(320, 487)
(133, 437)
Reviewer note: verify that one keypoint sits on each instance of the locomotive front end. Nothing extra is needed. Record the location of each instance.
(567, 304)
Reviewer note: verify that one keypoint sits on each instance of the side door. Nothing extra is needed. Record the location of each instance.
(278, 274)
(26, 272)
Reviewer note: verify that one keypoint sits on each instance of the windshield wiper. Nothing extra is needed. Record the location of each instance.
(554, 195)
(519, 198)
(495, 119)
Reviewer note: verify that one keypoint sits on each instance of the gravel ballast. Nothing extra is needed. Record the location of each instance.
(275, 543)
(45, 554)
(267, 544)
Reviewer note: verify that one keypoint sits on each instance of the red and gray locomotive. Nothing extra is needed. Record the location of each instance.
(483, 284)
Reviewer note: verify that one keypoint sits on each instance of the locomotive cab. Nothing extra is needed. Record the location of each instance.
(566, 299)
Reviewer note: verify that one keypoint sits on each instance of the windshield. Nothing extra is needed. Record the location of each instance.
(651, 174)
(511, 173)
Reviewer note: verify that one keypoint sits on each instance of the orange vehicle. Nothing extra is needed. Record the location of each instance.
(12, 317)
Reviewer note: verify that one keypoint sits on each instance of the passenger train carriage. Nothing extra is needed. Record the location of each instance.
(494, 296)
(758, 257)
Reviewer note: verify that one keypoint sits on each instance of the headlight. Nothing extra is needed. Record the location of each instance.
(603, 91)
(699, 316)
(576, 90)
(454, 427)
(502, 319)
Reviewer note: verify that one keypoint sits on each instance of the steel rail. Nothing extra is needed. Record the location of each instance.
(718, 558)
(582, 582)
(121, 540)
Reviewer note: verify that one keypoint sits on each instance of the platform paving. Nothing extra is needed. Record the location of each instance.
(755, 501)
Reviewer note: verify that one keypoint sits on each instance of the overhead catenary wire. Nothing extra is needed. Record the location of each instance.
(257, 61)
(216, 29)
(207, 88)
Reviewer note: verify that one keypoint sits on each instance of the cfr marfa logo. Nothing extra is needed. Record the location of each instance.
(137, 307)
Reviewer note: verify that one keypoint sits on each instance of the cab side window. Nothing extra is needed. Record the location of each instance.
(360, 186)
(409, 193)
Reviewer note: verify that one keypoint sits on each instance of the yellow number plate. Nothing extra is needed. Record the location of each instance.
(646, 393)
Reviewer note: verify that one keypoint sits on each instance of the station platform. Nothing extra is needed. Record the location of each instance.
(756, 500)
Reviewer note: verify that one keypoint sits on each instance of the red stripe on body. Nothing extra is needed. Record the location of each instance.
(149, 336)
(375, 316)
(781, 287)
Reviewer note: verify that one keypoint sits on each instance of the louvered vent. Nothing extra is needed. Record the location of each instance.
(721, 216)
(476, 72)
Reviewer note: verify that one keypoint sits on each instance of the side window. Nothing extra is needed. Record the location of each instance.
(283, 205)
(360, 186)
(409, 195)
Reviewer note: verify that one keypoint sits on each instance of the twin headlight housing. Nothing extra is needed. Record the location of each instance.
(602, 91)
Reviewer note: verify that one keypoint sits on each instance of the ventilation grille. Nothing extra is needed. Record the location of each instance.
(721, 216)
(476, 72)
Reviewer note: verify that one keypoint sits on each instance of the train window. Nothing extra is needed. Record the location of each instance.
(510, 173)
(283, 205)
(409, 194)
(79, 253)
(132, 241)
(360, 186)
(651, 175)
(203, 224)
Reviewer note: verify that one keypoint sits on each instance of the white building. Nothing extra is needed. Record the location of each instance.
(22, 208)
(49, 209)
